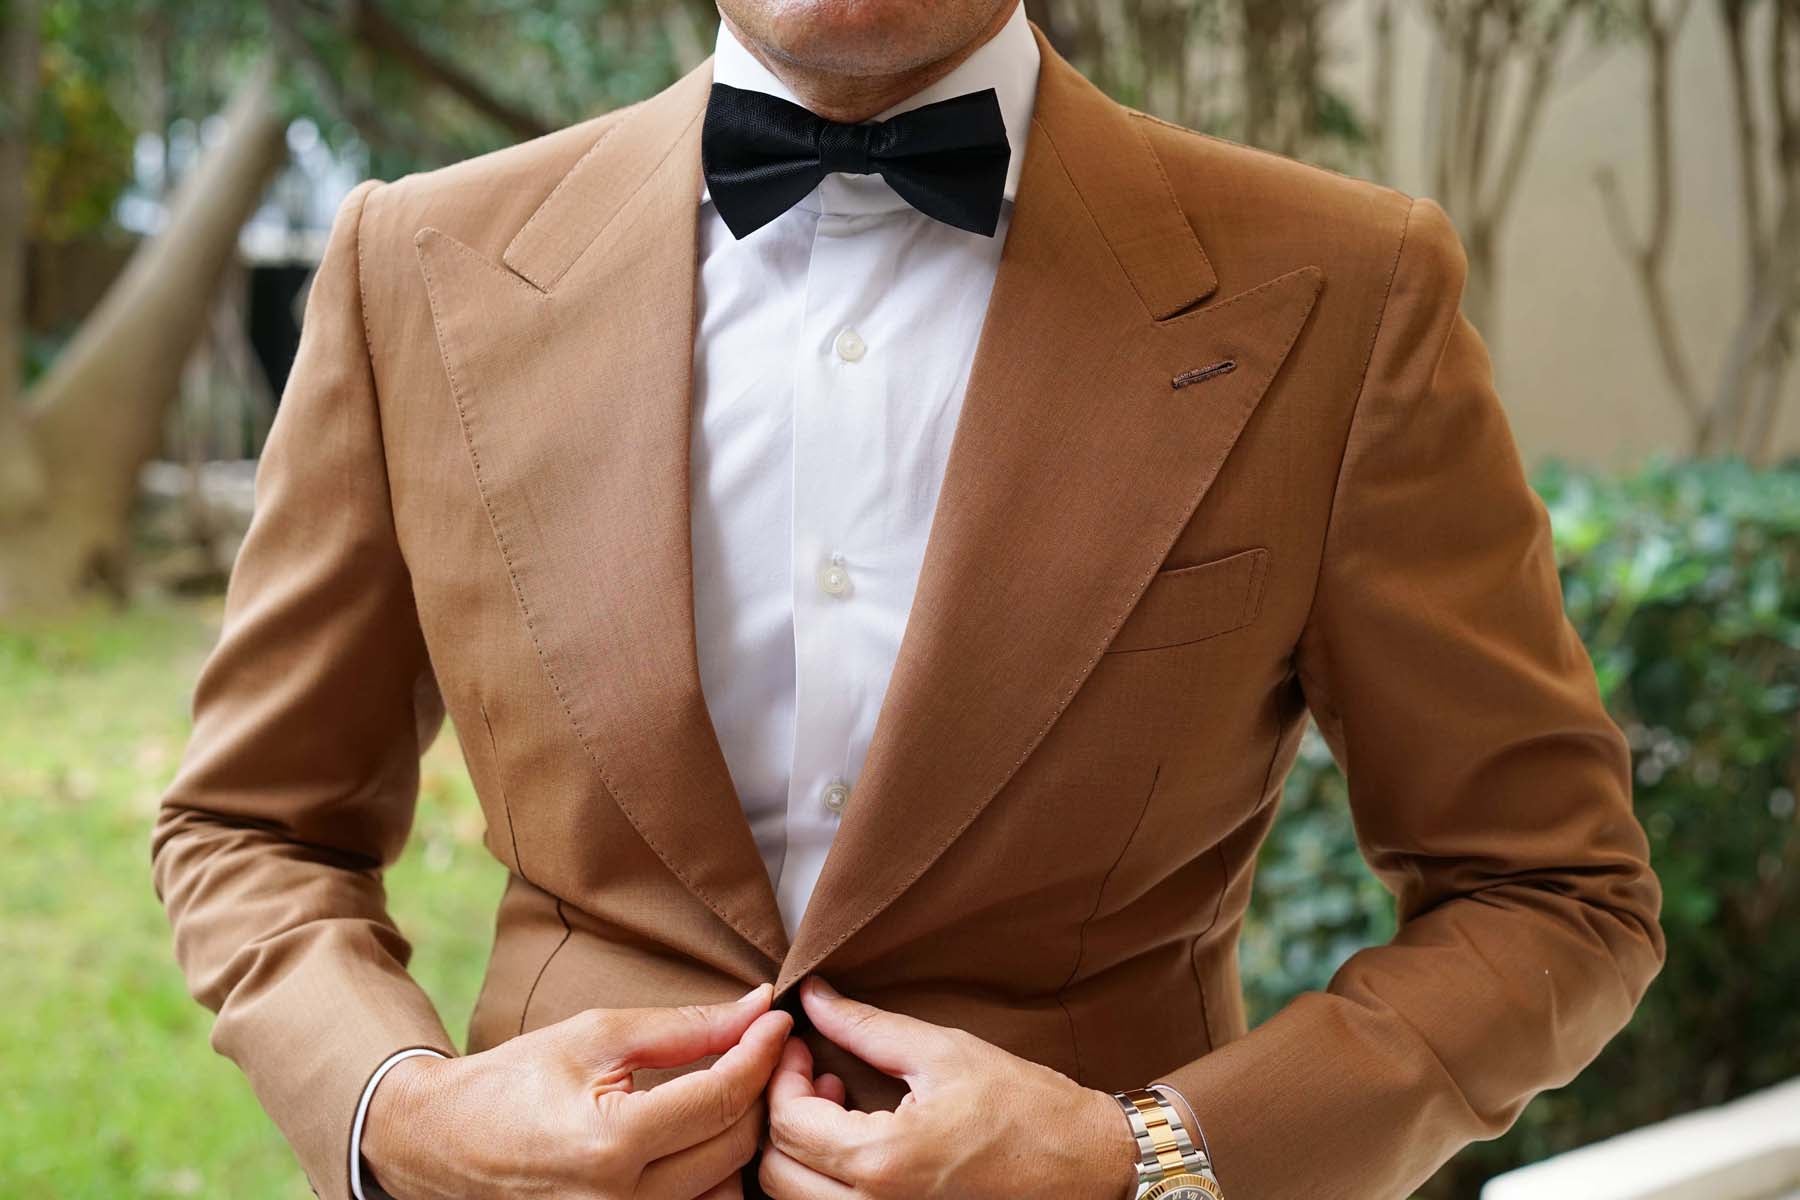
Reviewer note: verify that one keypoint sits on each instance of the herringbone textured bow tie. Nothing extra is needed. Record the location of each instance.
(762, 154)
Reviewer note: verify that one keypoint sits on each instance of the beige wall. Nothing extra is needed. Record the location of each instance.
(1577, 367)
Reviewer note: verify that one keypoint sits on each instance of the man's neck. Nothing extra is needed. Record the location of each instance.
(851, 98)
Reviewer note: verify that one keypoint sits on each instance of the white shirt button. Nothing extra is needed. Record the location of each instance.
(836, 795)
(834, 580)
(849, 345)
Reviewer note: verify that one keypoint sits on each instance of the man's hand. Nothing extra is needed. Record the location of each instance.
(552, 1113)
(979, 1123)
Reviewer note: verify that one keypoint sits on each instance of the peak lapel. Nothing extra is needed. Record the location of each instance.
(1074, 466)
(570, 365)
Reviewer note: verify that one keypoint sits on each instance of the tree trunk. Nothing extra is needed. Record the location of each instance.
(1383, 73)
(1481, 293)
(1736, 413)
(1493, 71)
(21, 477)
(98, 416)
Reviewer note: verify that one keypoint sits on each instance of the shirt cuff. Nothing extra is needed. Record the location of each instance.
(362, 1112)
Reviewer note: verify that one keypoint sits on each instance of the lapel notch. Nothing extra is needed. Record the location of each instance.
(1121, 183)
(636, 145)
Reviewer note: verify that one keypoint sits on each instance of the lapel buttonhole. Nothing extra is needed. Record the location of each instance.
(1202, 374)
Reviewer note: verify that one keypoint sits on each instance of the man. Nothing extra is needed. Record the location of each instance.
(901, 555)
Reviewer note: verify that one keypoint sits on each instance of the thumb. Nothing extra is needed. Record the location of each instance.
(629, 1038)
(890, 1042)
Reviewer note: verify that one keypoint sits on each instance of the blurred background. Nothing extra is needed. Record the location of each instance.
(1624, 173)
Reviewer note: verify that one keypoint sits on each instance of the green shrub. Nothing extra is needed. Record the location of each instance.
(1684, 581)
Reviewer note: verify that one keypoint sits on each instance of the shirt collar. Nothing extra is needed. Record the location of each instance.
(1006, 62)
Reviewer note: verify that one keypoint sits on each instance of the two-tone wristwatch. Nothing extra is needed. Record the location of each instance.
(1170, 1165)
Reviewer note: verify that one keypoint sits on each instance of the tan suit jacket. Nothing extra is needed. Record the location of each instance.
(1136, 588)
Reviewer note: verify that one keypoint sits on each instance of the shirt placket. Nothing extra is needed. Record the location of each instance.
(836, 369)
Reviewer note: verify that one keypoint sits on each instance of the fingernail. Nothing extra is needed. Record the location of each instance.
(751, 994)
(824, 989)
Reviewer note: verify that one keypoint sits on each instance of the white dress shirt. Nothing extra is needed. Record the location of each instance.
(832, 350)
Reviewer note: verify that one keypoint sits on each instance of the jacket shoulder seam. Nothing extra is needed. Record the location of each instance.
(1260, 152)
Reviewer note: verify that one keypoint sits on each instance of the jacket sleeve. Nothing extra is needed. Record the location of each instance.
(1490, 790)
(298, 783)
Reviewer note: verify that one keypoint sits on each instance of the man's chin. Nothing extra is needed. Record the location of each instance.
(869, 39)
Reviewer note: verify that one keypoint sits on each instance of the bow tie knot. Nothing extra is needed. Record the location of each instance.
(762, 154)
(846, 148)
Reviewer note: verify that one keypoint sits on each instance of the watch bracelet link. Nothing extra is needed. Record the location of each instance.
(1169, 1098)
(1165, 1147)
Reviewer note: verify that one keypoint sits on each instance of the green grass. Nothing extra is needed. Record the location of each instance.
(108, 1087)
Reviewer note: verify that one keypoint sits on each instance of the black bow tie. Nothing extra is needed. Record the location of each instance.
(762, 154)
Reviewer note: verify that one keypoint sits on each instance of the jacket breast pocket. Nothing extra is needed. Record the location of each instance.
(1190, 604)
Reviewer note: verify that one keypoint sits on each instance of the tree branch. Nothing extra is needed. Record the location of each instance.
(372, 27)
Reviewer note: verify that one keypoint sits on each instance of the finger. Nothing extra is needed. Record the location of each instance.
(785, 1178)
(709, 1165)
(812, 1129)
(827, 1086)
(796, 1059)
(731, 1189)
(690, 1108)
(792, 1077)
(629, 1038)
(889, 1042)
